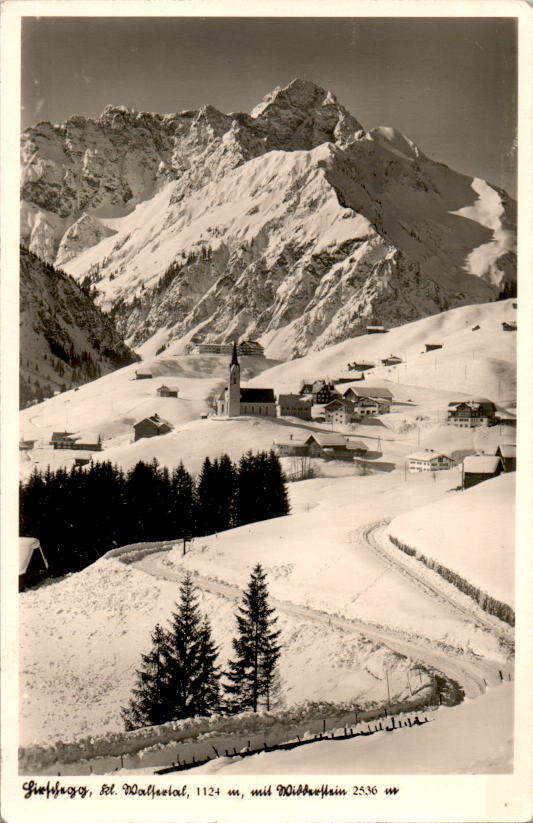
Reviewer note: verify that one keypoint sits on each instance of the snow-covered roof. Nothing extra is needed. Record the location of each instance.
(27, 545)
(481, 463)
(371, 391)
(155, 419)
(286, 399)
(425, 455)
(357, 445)
(325, 439)
(88, 437)
(507, 449)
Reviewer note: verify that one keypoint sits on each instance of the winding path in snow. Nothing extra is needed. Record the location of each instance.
(373, 535)
(471, 672)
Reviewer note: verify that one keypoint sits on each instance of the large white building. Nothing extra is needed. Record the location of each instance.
(429, 461)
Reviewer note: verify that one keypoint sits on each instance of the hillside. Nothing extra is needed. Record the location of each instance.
(211, 226)
(470, 363)
(65, 340)
(342, 635)
(482, 546)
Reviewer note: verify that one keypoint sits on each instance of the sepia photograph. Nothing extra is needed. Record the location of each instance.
(268, 408)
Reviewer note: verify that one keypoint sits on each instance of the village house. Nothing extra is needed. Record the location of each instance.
(251, 348)
(432, 346)
(334, 446)
(165, 391)
(378, 392)
(391, 360)
(509, 326)
(370, 406)
(507, 453)
(480, 467)
(235, 401)
(26, 445)
(429, 461)
(82, 460)
(87, 441)
(151, 427)
(360, 365)
(294, 405)
(143, 375)
(291, 448)
(33, 565)
(507, 418)
(306, 387)
(323, 392)
(471, 413)
(62, 440)
(339, 410)
(376, 330)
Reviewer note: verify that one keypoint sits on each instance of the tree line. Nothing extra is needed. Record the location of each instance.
(81, 513)
(180, 676)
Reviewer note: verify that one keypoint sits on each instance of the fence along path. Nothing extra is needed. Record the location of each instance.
(187, 754)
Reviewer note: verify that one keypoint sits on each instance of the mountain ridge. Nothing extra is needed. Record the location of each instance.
(292, 217)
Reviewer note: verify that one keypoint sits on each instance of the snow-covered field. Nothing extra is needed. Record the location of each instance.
(481, 545)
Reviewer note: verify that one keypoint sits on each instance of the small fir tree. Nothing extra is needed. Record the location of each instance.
(252, 671)
(191, 659)
(149, 705)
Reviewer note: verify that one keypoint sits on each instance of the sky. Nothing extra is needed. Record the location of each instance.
(449, 83)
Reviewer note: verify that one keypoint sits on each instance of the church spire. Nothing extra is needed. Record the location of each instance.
(234, 358)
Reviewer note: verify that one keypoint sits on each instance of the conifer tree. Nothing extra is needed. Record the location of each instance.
(190, 659)
(183, 510)
(252, 671)
(207, 499)
(149, 705)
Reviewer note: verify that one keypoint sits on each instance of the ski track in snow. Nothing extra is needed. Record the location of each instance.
(471, 672)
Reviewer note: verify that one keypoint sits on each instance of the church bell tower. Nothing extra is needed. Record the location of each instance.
(234, 385)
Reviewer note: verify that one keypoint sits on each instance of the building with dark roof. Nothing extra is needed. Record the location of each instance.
(471, 413)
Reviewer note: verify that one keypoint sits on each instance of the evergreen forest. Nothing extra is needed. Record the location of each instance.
(81, 513)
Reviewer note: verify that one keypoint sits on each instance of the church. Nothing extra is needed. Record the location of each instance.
(235, 401)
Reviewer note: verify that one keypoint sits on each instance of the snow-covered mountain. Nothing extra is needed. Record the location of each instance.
(65, 340)
(291, 224)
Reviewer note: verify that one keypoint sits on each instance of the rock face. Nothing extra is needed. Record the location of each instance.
(65, 340)
(291, 223)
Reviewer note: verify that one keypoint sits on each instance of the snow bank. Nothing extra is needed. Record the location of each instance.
(474, 738)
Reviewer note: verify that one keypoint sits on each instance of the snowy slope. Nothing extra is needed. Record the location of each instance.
(479, 543)
(106, 612)
(479, 363)
(486, 747)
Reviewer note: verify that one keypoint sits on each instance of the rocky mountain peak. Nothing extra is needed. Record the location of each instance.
(308, 112)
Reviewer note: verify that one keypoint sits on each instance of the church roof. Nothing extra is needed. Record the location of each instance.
(257, 396)
(234, 358)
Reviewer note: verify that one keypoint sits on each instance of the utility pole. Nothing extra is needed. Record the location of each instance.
(388, 686)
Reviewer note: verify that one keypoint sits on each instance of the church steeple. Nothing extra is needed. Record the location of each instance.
(234, 387)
